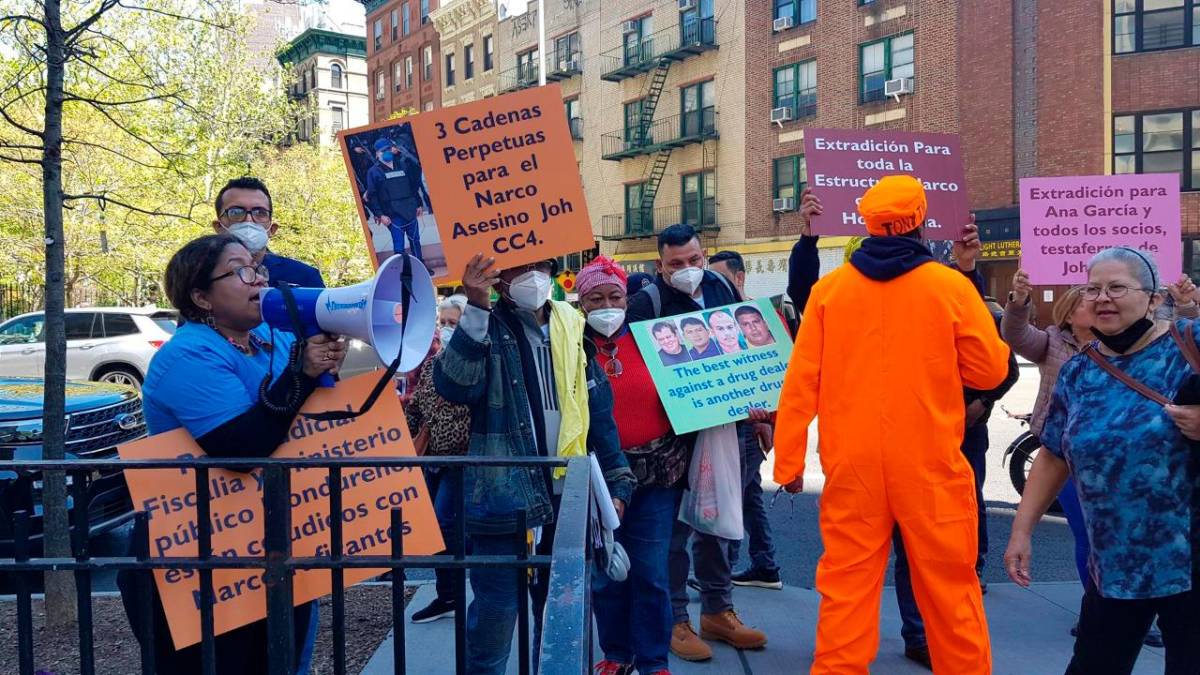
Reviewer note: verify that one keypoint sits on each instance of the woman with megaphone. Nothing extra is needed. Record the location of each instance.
(235, 385)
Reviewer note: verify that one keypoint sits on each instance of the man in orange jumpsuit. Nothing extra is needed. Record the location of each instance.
(885, 348)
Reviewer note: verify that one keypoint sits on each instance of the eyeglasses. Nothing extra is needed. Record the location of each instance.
(613, 368)
(237, 214)
(1113, 291)
(247, 273)
(779, 492)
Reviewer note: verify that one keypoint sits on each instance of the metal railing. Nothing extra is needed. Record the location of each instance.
(566, 637)
(669, 132)
(675, 43)
(638, 223)
(518, 77)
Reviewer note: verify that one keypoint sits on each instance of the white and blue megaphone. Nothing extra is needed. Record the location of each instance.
(372, 311)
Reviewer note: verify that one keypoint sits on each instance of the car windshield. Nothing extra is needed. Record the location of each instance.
(168, 321)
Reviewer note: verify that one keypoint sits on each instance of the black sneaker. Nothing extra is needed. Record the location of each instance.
(919, 655)
(759, 579)
(438, 609)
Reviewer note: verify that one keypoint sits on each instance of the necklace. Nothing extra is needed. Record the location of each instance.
(613, 368)
(253, 343)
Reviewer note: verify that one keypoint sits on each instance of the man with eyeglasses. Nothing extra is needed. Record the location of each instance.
(244, 209)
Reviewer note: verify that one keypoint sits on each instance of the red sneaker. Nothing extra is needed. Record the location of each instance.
(607, 667)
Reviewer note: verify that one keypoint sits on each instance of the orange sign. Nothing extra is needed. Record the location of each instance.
(497, 176)
(368, 497)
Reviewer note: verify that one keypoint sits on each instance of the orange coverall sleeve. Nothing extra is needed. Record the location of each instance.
(798, 400)
(982, 353)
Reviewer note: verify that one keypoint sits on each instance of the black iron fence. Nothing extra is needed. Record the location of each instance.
(566, 636)
(21, 297)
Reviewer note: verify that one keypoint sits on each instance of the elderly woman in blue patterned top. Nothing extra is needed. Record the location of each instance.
(1136, 473)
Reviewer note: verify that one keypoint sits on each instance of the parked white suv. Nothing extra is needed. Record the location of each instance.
(107, 344)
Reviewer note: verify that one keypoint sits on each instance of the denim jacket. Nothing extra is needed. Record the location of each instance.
(496, 377)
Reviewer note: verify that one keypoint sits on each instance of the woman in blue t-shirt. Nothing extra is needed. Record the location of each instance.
(226, 378)
(1135, 470)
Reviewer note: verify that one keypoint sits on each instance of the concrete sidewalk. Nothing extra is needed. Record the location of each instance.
(1030, 635)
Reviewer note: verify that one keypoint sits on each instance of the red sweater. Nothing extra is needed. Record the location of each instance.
(640, 416)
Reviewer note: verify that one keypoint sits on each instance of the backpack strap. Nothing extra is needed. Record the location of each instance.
(1124, 377)
(1187, 344)
(651, 290)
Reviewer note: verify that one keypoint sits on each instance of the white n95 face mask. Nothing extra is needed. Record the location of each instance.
(606, 321)
(530, 291)
(687, 279)
(253, 236)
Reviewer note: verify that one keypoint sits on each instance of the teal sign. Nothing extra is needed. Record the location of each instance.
(710, 367)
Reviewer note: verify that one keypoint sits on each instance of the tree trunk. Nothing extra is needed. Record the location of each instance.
(60, 586)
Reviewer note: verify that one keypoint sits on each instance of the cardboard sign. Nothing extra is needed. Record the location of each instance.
(712, 366)
(496, 176)
(368, 497)
(1065, 221)
(844, 163)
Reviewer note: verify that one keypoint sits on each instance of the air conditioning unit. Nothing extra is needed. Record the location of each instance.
(898, 87)
(783, 23)
(685, 5)
(631, 26)
(785, 204)
(781, 115)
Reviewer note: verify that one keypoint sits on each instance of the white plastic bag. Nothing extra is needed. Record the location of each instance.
(712, 504)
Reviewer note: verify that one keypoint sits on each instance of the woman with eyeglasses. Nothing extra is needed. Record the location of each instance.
(229, 380)
(1120, 425)
(633, 617)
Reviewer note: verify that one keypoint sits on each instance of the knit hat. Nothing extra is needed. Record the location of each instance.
(599, 272)
(894, 206)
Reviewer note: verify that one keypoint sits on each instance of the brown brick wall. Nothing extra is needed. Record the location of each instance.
(985, 71)
(1070, 88)
(394, 52)
(1156, 80)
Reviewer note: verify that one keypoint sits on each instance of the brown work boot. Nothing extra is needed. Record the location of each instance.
(687, 645)
(727, 627)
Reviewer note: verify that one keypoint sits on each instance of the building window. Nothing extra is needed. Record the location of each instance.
(312, 77)
(468, 62)
(404, 23)
(335, 76)
(635, 131)
(527, 68)
(378, 34)
(488, 53)
(796, 88)
(791, 177)
(699, 199)
(637, 219)
(424, 12)
(339, 118)
(427, 63)
(1149, 25)
(450, 69)
(699, 110)
(574, 120)
(397, 77)
(395, 26)
(887, 59)
(566, 52)
(638, 46)
(696, 24)
(408, 72)
(801, 11)
(380, 84)
(1160, 142)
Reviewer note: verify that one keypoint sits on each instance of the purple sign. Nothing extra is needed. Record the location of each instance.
(844, 163)
(1065, 221)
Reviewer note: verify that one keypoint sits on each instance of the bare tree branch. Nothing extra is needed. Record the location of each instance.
(8, 118)
(173, 15)
(19, 160)
(22, 17)
(105, 200)
(71, 35)
(67, 96)
(118, 153)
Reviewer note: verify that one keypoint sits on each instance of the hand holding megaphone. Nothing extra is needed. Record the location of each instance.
(323, 354)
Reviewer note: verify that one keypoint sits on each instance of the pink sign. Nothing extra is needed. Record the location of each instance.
(1065, 221)
(844, 163)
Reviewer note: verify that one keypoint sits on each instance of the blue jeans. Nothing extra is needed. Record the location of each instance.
(1069, 500)
(445, 485)
(633, 617)
(492, 615)
(410, 229)
(754, 512)
(974, 448)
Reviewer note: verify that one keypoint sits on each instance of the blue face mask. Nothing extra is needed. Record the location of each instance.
(388, 157)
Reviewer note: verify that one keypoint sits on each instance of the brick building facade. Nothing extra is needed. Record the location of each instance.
(404, 60)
